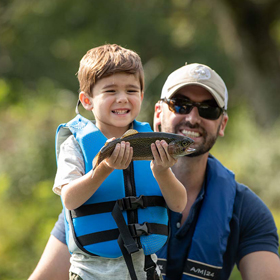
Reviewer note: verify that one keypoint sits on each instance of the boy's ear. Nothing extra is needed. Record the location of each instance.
(86, 101)
(157, 117)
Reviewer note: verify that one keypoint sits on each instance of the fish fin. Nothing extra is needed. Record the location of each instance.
(93, 171)
(129, 133)
(107, 143)
(95, 162)
(102, 149)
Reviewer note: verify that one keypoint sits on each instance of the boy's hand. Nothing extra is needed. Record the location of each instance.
(162, 160)
(121, 156)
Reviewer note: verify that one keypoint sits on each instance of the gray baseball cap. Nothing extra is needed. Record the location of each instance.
(196, 74)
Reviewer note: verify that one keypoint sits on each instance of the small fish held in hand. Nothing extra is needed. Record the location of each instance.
(178, 145)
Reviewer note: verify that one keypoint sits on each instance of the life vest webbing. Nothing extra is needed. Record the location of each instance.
(126, 203)
(135, 230)
(162, 263)
(128, 246)
(97, 237)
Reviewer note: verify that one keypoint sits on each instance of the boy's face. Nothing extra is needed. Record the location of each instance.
(116, 102)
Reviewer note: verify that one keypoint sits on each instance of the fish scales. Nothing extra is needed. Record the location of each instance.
(141, 144)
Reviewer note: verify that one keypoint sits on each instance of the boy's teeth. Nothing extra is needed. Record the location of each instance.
(190, 133)
(120, 111)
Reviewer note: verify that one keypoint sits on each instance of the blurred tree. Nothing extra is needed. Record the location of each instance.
(41, 43)
(251, 33)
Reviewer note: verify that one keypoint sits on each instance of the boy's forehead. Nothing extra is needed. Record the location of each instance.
(120, 78)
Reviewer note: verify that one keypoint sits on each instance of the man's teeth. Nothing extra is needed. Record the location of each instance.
(119, 112)
(190, 133)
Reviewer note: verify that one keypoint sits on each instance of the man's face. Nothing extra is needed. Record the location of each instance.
(204, 132)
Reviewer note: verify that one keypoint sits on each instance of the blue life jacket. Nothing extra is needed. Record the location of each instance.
(91, 227)
(209, 241)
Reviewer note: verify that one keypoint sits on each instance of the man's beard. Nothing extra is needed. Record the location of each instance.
(208, 141)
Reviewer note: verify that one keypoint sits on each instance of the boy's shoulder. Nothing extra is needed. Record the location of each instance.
(145, 126)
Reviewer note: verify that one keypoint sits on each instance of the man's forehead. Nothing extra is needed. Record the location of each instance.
(194, 91)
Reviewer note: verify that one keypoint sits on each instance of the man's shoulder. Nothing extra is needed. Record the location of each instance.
(250, 212)
(252, 224)
(246, 198)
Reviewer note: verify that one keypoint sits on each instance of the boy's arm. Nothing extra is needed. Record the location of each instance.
(172, 189)
(80, 190)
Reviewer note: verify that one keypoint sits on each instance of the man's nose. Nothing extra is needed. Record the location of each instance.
(193, 116)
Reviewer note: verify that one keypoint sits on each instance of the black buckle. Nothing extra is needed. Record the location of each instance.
(137, 230)
(131, 203)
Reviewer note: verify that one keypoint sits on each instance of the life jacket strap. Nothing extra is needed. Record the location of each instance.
(150, 268)
(133, 202)
(127, 204)
(135, 230)
(138, 230)
(125, 234)
(127, 257)
(98, 237)
(128, 245)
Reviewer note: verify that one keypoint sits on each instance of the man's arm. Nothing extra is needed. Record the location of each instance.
(259, 266)
(54, 263)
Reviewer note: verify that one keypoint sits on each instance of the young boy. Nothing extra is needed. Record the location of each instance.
(118, 209)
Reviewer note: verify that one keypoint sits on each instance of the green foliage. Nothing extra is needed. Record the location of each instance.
(252, 153)
(40, 48)
(27, 168)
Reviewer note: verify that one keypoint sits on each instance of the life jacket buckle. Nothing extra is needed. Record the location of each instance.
(131, 203)
(138, 230)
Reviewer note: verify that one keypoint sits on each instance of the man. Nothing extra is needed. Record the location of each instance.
(224, 222)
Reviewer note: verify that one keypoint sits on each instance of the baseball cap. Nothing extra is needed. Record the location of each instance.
(196, 74)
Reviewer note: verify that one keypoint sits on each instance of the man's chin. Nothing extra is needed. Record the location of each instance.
(198, 152)
(195, 154)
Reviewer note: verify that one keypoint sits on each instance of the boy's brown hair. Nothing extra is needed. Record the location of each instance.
(106, 60)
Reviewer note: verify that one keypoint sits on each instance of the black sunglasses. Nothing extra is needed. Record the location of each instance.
(184, 106)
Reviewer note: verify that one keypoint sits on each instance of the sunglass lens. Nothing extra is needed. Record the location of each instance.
(182, 109)
(205, 111)
(210, 113)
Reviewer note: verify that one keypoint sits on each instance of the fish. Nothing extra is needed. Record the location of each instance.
(178, 145)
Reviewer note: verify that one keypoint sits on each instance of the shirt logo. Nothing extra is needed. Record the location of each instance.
(202, 272)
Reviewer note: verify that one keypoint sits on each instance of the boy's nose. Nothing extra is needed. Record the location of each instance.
(122, 97)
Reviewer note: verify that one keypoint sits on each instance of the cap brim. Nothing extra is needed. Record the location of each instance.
(216, 96)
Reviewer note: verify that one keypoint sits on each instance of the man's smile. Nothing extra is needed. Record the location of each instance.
(191, 134)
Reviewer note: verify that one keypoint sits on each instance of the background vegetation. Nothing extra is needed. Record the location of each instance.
(41, 43)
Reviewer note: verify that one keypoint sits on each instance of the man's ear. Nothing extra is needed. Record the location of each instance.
(223, 125)
(157, 117)
(86, 101)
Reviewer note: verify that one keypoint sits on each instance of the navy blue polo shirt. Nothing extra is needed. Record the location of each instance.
(252, 229)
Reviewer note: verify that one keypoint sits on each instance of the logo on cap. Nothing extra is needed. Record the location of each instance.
(200, 72)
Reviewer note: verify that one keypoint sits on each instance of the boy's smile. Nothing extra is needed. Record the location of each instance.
(116, 102)
(120, 112)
